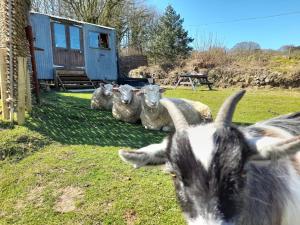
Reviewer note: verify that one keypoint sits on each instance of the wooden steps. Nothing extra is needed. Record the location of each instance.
(73, 79)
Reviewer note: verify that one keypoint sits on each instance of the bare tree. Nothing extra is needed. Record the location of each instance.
(130, 18)
(141, 21)
(87, 10)
(53, 7)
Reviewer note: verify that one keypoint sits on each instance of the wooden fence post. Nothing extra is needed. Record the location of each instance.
(22, 69)
(28, 99)
(3, 84)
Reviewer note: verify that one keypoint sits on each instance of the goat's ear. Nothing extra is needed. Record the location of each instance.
(137, 159)
(282, 149)
(162, 90)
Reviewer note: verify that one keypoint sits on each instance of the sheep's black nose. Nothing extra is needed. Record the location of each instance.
(125, 101)
(153, 104)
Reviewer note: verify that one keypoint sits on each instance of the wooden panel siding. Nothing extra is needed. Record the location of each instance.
(76, 55)
(131, 62)
(67, 57)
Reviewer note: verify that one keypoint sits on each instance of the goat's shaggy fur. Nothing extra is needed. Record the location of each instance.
(218, 183)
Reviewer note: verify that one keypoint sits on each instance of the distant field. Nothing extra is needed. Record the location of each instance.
(62, 167)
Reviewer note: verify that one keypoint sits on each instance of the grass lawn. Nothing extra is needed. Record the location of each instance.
(62, 166)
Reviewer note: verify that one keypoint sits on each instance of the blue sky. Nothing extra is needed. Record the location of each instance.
(200, 17)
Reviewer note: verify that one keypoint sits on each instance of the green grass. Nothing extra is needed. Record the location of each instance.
(65, 144)
(256, 105)
(68, 119)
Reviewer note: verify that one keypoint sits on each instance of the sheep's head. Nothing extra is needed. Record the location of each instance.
(152, 95)
(207, 163)
(107, 90)
(126, 93)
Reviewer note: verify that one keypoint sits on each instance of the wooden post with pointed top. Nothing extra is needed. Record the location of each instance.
(22, 70)
(3, 84)
(28, 99)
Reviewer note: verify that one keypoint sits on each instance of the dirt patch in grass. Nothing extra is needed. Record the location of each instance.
(35, 195)
(2, 214)
(130, 216)
(67, 200)
(19, 204)
(107, 205)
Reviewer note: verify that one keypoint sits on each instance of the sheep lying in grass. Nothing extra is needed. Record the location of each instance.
(102, 97)
(155, 116)
(229, 175)
(126, 104)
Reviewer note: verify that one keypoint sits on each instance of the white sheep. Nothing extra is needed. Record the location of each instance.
(102, 97)
(126, 104)
(155, 116)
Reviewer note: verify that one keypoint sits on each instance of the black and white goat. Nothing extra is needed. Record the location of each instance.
(228, 175)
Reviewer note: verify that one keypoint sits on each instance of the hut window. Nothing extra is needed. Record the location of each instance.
(104, 40)
(98, 40)
(93, 37)
(60, 35)
(74, 38)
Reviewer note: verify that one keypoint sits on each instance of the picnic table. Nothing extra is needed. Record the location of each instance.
(194, 78)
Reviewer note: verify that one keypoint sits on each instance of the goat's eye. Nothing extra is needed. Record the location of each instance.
(244, 173)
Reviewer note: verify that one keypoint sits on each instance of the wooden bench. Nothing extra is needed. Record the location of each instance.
(192, 79)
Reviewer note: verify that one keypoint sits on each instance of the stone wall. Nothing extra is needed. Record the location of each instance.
(225, 76)
(253, 77)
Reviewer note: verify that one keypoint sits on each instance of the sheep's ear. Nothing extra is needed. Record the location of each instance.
(136, 90)
(101, 84)
(162, 90)
(280, 150)
(140, 92)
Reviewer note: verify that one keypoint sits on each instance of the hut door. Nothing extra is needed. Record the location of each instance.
(67, 45)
